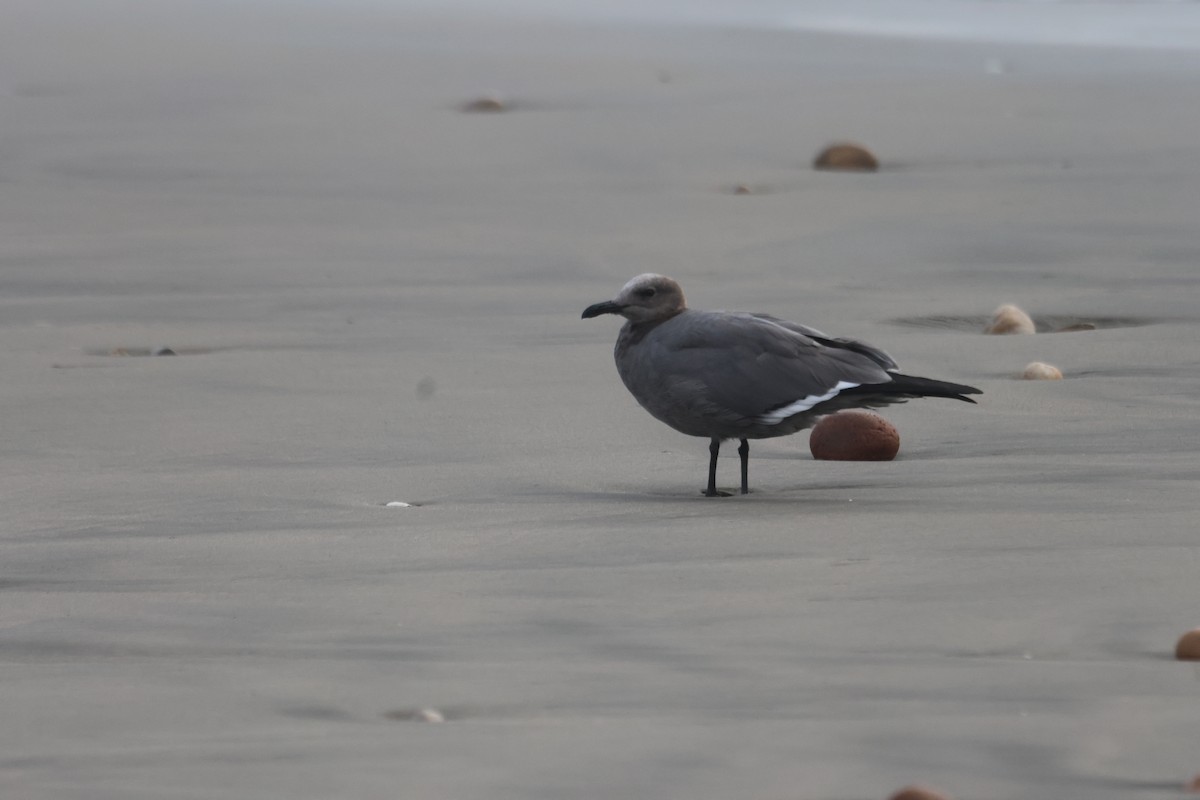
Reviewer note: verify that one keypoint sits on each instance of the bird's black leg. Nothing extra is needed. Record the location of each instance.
(714, 447)
(744, 452)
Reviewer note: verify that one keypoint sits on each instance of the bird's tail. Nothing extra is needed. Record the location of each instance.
(913, 386)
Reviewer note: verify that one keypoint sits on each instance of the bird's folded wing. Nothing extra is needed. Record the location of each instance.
(748, 365)
(874, 353)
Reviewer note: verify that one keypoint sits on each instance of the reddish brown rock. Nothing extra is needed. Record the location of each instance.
(1194, 786)
(854, 436)
(1188, 646)
(918, 793)
(846, 157)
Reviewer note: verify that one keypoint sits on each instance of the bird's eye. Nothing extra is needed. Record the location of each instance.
(645, 293)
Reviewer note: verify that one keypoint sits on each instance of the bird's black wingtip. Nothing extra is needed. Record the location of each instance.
(915, 386)
(965, 390)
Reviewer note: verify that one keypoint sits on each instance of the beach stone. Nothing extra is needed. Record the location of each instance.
(397, 504)
(416, 715)
(163, 351)
(918, 793)
(854, 436)
(484, 105)
(1078, 326)
(742, 188)
(429, 715)
(846, 157)
(1041, 371)
(1188, 646)
(1010, 319)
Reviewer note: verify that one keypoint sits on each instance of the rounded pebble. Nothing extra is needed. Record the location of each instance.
(846, 157)
(398, 504)
(484, 105)
(1188, 646)
(1041, 371)
(1009, 319)
(854, 436)
(742, 188)
(918, 793)
(162, 351)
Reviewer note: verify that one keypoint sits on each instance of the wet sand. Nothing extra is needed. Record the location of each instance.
(375, 297)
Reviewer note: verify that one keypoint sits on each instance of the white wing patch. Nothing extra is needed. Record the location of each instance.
(803, 404)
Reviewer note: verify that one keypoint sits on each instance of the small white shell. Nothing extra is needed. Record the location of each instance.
(415, 715)
(398, 504)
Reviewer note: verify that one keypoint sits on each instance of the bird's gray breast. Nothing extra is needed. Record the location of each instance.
(657, 369)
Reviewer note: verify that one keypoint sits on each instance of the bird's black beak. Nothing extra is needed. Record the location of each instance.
(607, 307)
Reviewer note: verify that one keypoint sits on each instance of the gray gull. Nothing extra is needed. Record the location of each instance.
(735, 375)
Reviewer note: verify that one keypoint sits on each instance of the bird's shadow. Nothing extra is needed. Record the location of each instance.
(811, 497)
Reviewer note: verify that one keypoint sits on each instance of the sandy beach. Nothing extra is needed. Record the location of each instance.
(375, 297)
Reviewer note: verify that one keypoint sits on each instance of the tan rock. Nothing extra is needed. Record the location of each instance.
(484, 105)
(1041, 371)
(1010, 319)
(846, 157)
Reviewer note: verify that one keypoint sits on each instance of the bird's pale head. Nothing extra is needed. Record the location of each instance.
(646, 298)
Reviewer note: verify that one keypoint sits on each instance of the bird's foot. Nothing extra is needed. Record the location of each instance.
(717, 493)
